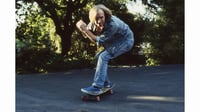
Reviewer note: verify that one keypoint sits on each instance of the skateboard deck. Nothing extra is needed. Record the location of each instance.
(97, 97)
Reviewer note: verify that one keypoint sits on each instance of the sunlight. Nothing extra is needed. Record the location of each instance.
(123, 66)
(136, 7)
(25, 8)
(156, 98)
(140, 10)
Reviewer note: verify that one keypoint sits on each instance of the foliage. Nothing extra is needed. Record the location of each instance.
(47, 28)
(35, 40)
(165, 35)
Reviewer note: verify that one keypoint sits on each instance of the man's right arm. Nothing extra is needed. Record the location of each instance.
(83, 28)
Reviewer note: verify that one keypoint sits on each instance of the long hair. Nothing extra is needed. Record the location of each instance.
(93, 12)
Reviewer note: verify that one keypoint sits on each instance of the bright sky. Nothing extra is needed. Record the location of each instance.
(136, 7)
(139, 9)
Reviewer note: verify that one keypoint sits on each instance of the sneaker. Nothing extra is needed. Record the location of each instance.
(108, 85)
(92, 90)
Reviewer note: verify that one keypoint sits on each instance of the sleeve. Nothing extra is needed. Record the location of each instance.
(109, 32)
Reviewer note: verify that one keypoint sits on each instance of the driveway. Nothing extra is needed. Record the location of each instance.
(138, 89)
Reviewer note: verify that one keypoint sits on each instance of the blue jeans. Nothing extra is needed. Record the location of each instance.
(103, 58)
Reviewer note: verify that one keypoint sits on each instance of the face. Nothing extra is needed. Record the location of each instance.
(100, 19)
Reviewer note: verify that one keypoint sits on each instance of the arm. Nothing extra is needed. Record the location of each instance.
(83, 28)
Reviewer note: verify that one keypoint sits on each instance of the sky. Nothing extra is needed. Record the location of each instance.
(139, 9)
(136, 7)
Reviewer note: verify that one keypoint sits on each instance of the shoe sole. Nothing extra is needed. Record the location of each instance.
(91, 93)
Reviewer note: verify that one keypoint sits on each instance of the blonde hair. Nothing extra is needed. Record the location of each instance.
(93, 12)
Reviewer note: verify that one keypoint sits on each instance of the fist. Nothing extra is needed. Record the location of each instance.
(81, 25)
(94, 29)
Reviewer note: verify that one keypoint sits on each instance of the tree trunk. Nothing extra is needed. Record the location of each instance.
(50, 8)
(65, 42)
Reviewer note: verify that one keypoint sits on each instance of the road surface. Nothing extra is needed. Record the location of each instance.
(138, 89)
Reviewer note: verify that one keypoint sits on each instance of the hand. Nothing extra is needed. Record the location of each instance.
(99, 29)
(81, 25)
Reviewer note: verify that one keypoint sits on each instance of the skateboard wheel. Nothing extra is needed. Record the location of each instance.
(111, 91)
(98, 98)
(83, 98)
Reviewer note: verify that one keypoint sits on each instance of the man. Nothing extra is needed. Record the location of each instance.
(110, 32)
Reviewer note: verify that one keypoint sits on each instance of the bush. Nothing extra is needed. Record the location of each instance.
(32, 60)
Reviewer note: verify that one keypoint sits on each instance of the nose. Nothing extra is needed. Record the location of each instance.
(99, 21)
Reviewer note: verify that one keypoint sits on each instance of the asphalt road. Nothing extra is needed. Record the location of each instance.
(138, 89)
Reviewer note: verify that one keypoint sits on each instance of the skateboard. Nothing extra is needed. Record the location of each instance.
(97, 97)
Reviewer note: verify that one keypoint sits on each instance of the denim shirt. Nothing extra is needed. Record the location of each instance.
(115, 34)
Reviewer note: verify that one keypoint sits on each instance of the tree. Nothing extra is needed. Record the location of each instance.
(34, 44)
(165, 35)
(32, 31)
(62, 12)
(65, 13)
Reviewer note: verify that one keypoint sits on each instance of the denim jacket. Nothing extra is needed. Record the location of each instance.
(116, 33)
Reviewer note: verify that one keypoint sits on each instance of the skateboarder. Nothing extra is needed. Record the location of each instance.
(113, 34)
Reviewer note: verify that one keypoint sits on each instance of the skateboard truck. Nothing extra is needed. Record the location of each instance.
(90, 97)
